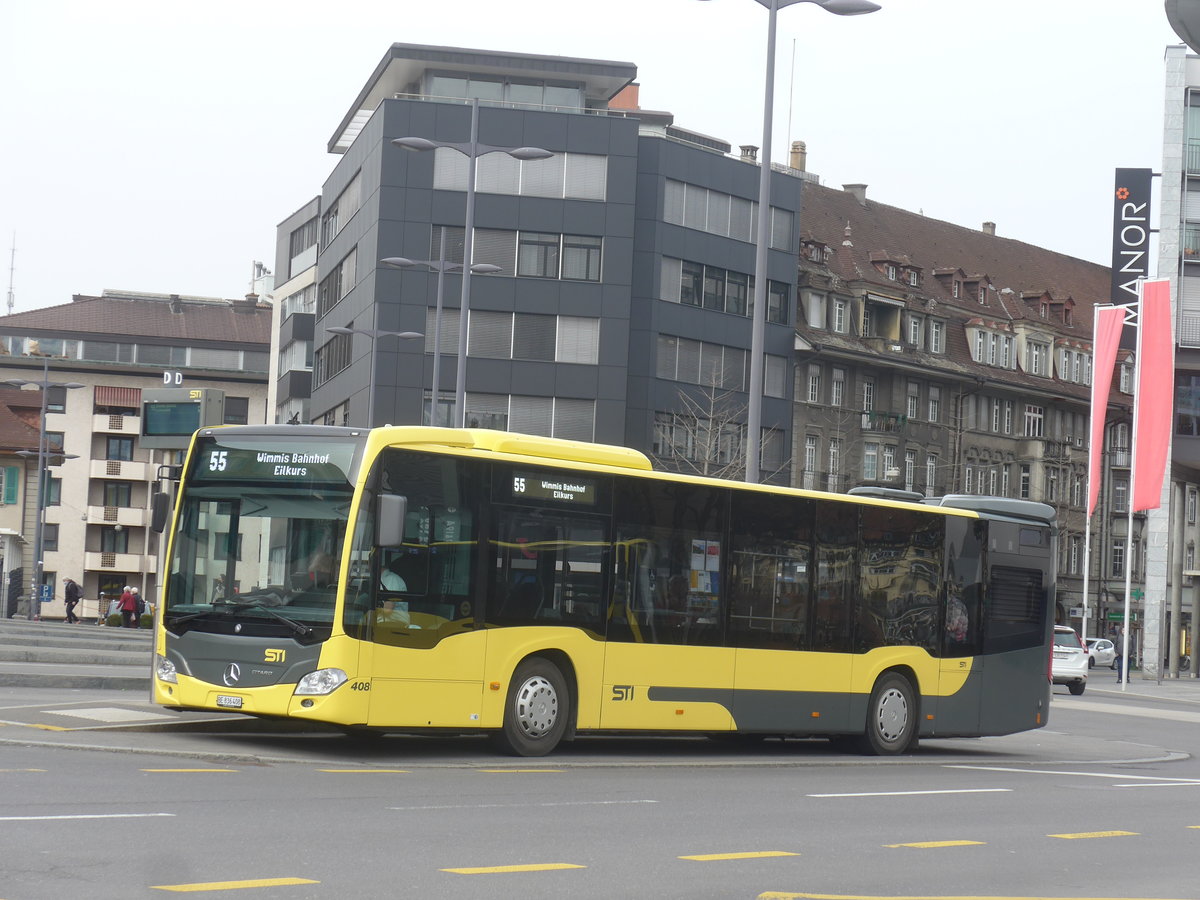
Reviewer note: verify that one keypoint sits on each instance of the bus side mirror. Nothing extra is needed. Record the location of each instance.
(389, 526)
(160, 507)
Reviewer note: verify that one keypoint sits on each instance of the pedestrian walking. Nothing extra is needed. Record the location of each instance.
(74, 594)
(129, 607)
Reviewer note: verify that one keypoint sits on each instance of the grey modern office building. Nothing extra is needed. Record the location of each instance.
(624, 263)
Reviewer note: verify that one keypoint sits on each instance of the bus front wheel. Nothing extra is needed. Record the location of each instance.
(891, 717)
(536, 710)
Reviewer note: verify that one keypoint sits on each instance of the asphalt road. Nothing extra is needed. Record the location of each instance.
(101, 799)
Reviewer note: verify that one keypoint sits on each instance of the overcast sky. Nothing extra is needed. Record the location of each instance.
(154, 146)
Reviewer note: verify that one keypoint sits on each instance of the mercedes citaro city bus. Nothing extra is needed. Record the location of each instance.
(418, 579)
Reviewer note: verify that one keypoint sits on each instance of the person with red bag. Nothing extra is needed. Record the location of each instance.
(129, 608)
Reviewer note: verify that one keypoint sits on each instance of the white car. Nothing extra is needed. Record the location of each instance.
(1069, 664)
(1101, 652)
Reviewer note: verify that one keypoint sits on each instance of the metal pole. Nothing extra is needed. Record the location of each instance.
(460, 387)
(35, 601)
(437, 331)
(371, 369)
(758, 326)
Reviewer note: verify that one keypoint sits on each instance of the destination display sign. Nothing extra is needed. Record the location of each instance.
(551, 486)
(305, 461)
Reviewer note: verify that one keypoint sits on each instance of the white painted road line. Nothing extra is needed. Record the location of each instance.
(917, 793)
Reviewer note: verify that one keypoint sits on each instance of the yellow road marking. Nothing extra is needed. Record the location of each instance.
(231, 885)
(48, 727)
(190, 771)
(1093, 834)
(532, 867)
(367, 771)
(520, 771)
(753, 854)
(925, 845)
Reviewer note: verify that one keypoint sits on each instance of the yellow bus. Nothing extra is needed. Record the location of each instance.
(417, 579)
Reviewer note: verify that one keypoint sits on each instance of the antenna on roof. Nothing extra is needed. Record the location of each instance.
(12, 265)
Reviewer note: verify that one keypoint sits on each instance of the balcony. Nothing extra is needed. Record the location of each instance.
(1119, 457)
(1191, 244)
(122, 469)
(1193, 157)
(120, 562)
(884, 423)
(125, 516)
(117, 424)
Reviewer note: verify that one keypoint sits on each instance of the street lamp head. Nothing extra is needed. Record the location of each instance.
(848, 7)
(485, 269)
(340, 329)
(529, 153)
(397, 262)
(415, 143)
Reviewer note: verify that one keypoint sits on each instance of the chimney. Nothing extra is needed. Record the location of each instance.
(626, 98)
(799, 155)
(989, 228)
(750, 152)
(176, 304)
(248, 305)
(859, 191)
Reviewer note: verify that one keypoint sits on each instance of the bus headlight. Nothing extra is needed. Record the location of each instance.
(165, 669)
(322, 681)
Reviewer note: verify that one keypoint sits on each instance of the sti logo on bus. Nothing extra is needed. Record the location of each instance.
(622, 692)
(274, 656)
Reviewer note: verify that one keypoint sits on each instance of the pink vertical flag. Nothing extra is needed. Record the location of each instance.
(1106, 338)
(1154, 400)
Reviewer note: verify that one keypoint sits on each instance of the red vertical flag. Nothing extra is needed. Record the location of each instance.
(1106, 338)
(1154, 399)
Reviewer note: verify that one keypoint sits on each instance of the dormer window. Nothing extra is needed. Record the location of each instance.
(1068, 317)
(913, 279)
(983, 293)
(891, 271)
(956, 290)
(1045, 310)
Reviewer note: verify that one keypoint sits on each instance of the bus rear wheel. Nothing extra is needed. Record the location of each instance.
(891, 717)
(536, 710)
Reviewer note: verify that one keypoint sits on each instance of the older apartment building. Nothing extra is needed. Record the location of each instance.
(101, 475)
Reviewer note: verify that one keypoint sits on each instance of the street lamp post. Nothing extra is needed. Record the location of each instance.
(43, 461)
(441, 267)
(373, 334)
(472, 149)
(758, 323)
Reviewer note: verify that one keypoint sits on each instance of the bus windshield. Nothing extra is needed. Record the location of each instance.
(259, 535)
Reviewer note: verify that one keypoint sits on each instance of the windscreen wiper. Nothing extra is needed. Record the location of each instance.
(299, 629)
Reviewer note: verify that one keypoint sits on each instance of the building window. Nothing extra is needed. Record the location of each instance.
(118, 493)
(581, 258)
(937, 331)
(910, 470)
(114, 540)
(49, 537)
(837, 387)
(537, 254)
(1037, 358)
(1026, 477)
(1076, 555)
(1120, 491)
(980, 338)
(810, 453)
(1008, 417)
(814, 384)
(1191, 506)
(1118, 559)
(913, 397)
(935, 403)
(931, 464)
(1004, 481)
(914, 330)
(119, 448)
(839, 316)
(996, 408)
(870, 461)
(868, 394)
(1033, 420)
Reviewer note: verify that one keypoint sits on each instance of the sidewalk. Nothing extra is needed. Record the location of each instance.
(1184, 689)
